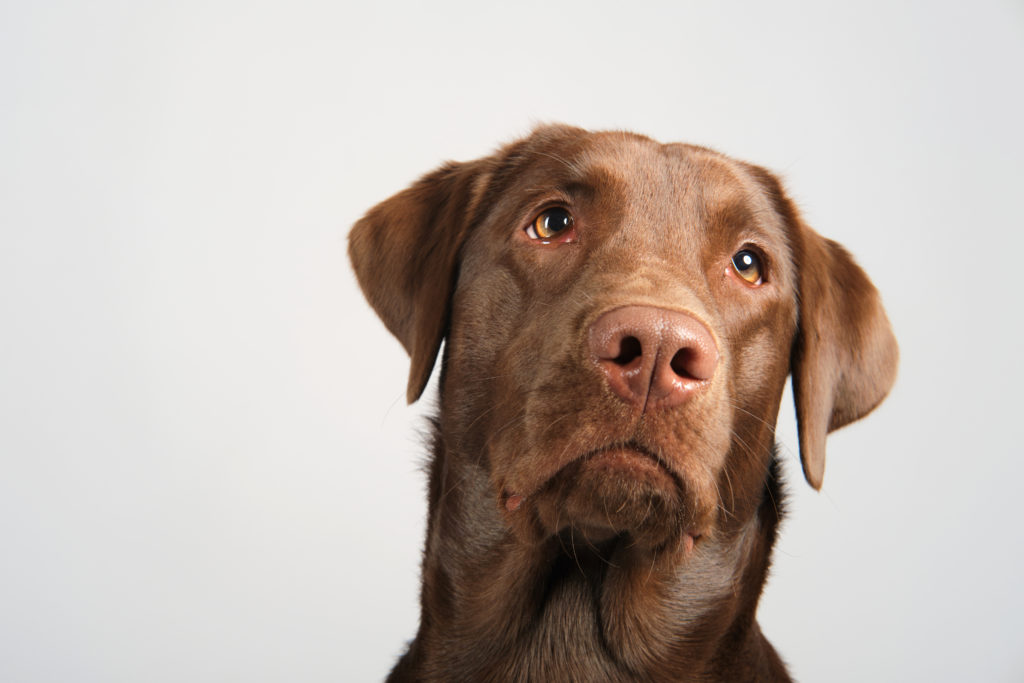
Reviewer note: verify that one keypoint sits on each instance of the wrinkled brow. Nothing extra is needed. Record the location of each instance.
(542, 176)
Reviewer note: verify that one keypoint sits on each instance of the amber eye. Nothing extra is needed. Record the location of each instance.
(747, 265)
(550, 224)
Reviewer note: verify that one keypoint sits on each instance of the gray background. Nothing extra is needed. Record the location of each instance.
(208, 469)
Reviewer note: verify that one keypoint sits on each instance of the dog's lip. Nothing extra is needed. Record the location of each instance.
(632, 452)
(690, 539)
(513, 500)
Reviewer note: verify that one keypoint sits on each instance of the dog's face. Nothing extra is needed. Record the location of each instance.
(621, 318)
(650, 234)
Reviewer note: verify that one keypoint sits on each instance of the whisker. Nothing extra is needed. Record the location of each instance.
(572, 542)
(565, 162)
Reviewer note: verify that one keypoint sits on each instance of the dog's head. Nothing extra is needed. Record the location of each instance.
(621, 317)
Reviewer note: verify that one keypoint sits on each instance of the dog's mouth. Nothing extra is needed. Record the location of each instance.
(623, 489)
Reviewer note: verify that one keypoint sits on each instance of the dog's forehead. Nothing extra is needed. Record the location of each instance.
(671, 183)
(684, 178)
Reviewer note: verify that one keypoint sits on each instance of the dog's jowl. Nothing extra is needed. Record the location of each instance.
(620, 317)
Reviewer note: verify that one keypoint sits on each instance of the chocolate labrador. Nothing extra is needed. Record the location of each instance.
(620, 317)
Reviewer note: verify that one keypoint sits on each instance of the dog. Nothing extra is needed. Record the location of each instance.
(619, 319)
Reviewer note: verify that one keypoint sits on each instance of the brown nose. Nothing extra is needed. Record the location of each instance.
(653, 357)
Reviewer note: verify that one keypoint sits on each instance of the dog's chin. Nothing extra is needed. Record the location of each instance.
(616, 492)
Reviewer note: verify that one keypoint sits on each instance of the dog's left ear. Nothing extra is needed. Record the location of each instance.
(844, 356)
(405, 254)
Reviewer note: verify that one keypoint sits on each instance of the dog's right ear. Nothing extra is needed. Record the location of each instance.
(405, 253)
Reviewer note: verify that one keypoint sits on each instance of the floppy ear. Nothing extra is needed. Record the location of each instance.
(405, 253)
(845, 355)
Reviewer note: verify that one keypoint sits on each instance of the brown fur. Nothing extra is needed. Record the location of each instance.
(560, 541)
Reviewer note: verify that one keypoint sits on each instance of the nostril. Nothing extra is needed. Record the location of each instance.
(629, 350)
(682, 363)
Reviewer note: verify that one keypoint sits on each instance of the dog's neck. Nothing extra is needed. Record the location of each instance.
(495, 608)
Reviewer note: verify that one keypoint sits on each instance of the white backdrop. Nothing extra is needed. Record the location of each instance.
(207, 469)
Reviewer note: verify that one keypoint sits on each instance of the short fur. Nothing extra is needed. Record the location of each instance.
(574, 533)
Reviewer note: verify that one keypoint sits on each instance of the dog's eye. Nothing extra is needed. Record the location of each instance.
(747, 265)
(550, 224)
